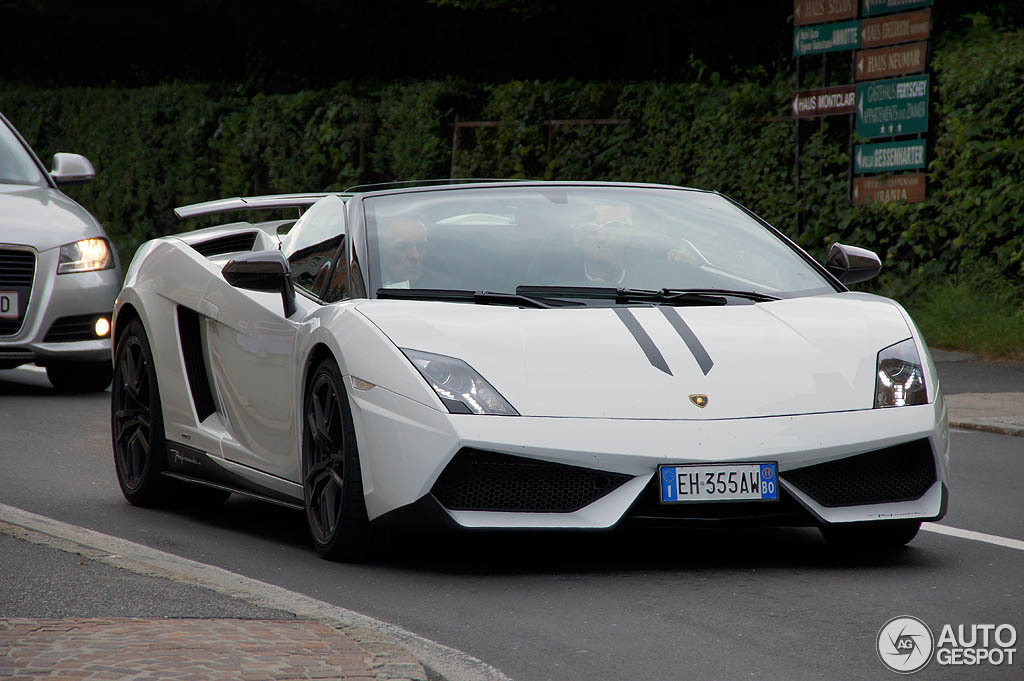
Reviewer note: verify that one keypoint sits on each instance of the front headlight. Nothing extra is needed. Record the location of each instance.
(459, 386)
(86, 255)
(899, 379)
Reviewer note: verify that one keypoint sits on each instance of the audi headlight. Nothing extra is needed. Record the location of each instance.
(899, 379)
(86, 255)
(459, 386)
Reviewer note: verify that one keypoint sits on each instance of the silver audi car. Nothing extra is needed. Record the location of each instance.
(59, 273)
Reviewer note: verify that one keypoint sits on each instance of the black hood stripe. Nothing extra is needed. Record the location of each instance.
(643, 340)
(689, 337)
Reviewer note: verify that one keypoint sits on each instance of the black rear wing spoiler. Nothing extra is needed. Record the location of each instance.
(300, 201)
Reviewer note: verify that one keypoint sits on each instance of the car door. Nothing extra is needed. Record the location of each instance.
(252, 346)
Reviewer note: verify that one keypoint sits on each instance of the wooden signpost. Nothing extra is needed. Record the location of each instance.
(888, 157)
(897, 60)
(906, 187)
(819, 11)
(873, 7)
(888, 41)
(829, 101)
(889, 108)
(897, 28)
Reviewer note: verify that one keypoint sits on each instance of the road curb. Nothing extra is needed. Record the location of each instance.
(998, 428)
(394, 653)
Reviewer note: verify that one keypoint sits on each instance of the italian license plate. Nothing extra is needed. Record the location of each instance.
(718, 482)
(9, 304)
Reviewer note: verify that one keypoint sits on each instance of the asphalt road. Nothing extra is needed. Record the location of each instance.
(705, 604)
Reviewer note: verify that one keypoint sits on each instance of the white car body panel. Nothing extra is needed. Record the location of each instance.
(584, 362)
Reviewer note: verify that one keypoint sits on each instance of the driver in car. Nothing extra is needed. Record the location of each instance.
(602, 243)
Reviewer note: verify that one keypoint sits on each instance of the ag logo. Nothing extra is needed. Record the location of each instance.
(905, 644)
(699, 400)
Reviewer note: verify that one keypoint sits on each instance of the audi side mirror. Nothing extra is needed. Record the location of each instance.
(71, 169)
(850, 264)
(263, 271)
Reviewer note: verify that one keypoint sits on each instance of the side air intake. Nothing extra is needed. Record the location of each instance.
(232, 243)
(192, 350)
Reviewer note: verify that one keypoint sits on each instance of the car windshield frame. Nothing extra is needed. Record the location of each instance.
(378, 207)
(19, 155)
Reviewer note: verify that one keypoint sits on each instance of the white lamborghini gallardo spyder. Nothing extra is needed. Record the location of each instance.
(523, 355)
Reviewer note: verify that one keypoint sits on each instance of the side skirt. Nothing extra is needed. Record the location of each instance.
(197, 467)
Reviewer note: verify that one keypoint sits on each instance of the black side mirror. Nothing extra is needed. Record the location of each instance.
(263, 271)
(850, 264)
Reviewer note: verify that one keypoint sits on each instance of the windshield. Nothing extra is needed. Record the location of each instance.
(498, 239)
(16, 166)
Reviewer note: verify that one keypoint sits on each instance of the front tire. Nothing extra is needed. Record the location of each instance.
(136, 420)
(81, 377)
(331, 477)
(871, 537)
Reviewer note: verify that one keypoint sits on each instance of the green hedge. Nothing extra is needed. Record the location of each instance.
(160, 147)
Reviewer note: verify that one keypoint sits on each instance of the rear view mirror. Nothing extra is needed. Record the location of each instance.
(71, 169)
(263, 271)
(850, 264)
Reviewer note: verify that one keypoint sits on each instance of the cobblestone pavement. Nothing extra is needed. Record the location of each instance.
(177, 649)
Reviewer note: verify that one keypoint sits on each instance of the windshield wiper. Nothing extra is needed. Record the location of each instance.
(626, 295)
(756, 296)
(467, 296)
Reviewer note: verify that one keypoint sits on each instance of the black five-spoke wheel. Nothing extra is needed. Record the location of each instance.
(136, 422)
(331, 476)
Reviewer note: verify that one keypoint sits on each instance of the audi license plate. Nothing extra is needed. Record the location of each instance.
(718, 482)
(8, 304)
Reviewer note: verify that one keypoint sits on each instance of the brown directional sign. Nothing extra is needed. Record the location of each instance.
(909, 188)
(819, 11)
(830, 101)
(891, 61)
(897, 28)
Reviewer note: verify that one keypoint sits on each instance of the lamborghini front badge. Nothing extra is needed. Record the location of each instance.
(699, 400)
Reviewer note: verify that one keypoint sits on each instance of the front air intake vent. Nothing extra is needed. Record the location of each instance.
(232, 243)
(486, 481)
(900, 473)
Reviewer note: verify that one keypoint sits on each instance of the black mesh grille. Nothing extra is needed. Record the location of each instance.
(226, 244)
(17, 270)
(486, 481)
(78, 328)
(9, 327)
(900, 473)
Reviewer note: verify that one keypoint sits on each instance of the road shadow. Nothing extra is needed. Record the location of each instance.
(17, 382)
(28, 383)
(248, 517)
(625, 549)
(633, 550)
